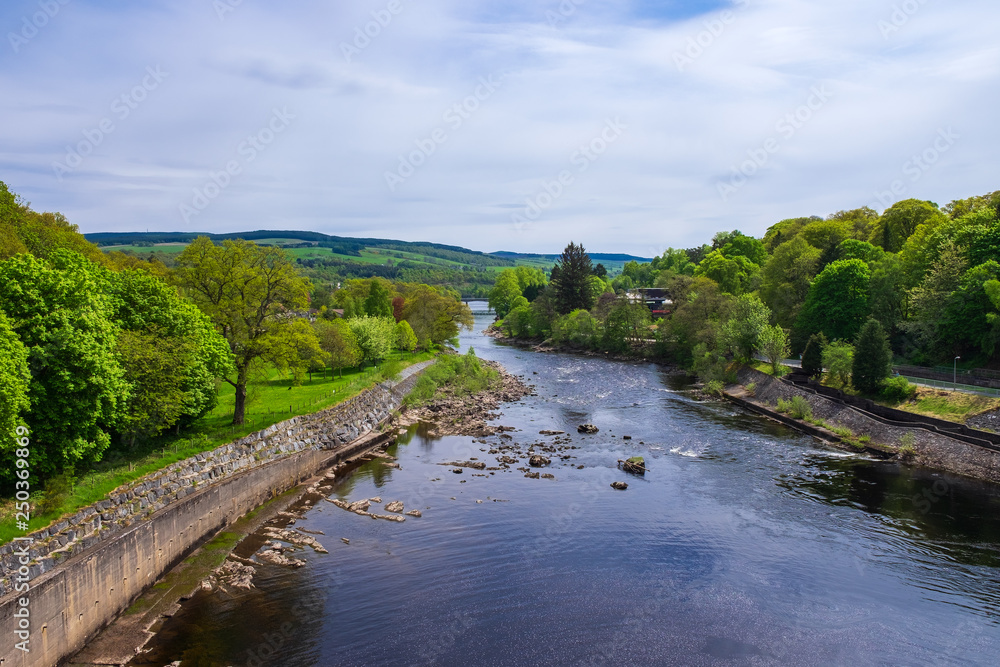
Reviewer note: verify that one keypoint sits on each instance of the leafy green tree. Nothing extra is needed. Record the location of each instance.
(571, 278)
(155, 365)
(144, 304)
(406, 340)
(747, 323)
(378, 303)
(887, 293)
(929, 302)
(855, 249)
(519, 322)
(578, 329)
(701, 311)
(339, 342)
(774, 345)
(812, 357)
(735, 276)
(838, 358)
(505, 290)
(435, 314)
(250, 293)
(63, 317)
(837, 303)
(872, 362)
(786, 277)
(740, 245)
(627, 325)
(14, 382)
(785, 231)
(375, 336)
(531, 281)
(900, 221)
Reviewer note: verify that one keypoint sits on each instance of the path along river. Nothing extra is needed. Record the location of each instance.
(745, 544)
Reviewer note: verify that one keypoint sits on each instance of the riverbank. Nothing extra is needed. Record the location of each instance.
(856, 430)
(451, 414)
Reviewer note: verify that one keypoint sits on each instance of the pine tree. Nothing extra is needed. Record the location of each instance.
(872, 358)
(812, 358)
(571, 276)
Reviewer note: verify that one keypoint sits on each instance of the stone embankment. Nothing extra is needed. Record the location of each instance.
(83, 570)
(931, 447)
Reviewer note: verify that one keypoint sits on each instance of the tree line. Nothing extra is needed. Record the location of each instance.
(100, 351)
(919, 283)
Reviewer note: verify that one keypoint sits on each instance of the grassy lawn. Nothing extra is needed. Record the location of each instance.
(954, 406)
(269, 400)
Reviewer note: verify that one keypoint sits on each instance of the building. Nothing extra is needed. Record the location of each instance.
(655, 298)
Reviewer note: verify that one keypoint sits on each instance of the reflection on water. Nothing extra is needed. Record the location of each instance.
(746, 543)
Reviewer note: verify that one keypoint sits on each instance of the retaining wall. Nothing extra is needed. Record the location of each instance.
(87, 569)
(933, 448)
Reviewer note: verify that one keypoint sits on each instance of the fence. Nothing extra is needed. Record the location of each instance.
(976, 377)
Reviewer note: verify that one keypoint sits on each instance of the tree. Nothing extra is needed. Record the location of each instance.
(838, 358)
(505, 290)
(572, 281)
(155, 365)
(837, 303)
(63, 318)
(250, 293)
(601, 272)
(887, 293)
(872, 358)
(14, 382)
(786, 277)
(627, 325)
(812, 357)
(375, 336)
(774, 345)
(900, 221)
(406, 340)
(436, 314)
(740, 245)
(338, 341)
(929, 301)
(378, 303)
(742, 333)
(578, 329)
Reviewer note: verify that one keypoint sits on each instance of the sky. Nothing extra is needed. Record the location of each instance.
(502, 125)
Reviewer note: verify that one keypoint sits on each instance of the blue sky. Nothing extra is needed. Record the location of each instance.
(511, 125)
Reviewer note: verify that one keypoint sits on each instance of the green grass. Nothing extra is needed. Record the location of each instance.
(270, 400)
(953, 406)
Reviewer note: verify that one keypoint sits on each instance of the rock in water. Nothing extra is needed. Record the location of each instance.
(394, 506)
(538, 461)
(621, 486)
(414, 513)
(587, 428)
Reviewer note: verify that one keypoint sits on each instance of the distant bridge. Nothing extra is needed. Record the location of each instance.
(478, 307)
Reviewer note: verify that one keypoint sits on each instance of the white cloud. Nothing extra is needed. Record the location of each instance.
(657, 186)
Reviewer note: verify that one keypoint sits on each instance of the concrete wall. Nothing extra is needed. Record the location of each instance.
(933, 449)
(86, 570)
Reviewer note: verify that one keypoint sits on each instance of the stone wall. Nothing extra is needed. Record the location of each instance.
(933, 449)
(86, 569)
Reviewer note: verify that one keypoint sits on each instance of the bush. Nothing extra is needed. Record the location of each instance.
(784, 406)
(714, 388)
(898, 389)
(57, 490)
(461, 374)
(800, 408)
(751, 388)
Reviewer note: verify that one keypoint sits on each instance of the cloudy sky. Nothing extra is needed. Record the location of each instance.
(503, 125)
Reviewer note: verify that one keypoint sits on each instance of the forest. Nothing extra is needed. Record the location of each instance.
(925, 276)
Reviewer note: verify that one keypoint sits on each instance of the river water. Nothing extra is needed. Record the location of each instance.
(745, 544)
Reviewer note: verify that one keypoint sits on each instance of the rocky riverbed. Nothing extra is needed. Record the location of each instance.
(449, 414)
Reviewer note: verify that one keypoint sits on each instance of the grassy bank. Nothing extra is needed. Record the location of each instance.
(270, 400)
(455, 374)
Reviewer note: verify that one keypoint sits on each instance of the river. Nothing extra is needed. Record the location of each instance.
(746, 543)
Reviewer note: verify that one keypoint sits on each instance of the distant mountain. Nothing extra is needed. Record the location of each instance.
(595, 256)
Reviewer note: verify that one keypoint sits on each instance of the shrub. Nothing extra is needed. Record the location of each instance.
(784, 406)
(898, 389)
(714, 388)
(800, 408)
(57, 490)
(812, 357)
(751, 388)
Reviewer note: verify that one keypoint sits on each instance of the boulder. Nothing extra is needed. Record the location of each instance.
(587, 428)
(537, 461)
(394, 506)
(621, 486)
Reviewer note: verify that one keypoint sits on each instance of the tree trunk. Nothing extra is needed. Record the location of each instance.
(239, 410)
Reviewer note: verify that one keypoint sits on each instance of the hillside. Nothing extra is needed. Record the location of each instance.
(330, 259)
